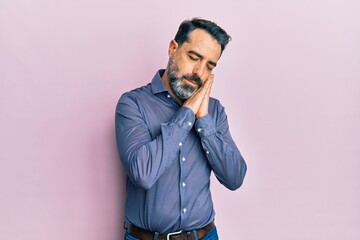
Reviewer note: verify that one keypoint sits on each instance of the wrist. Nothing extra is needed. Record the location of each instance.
(199, 115)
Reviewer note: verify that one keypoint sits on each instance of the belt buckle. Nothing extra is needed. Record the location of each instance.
(172, 233)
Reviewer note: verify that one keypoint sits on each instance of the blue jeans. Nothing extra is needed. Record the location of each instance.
(212, 235)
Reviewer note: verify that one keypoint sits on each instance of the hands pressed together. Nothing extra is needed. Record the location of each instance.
(199, 101)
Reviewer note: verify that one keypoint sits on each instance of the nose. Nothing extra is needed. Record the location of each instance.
(199, 70)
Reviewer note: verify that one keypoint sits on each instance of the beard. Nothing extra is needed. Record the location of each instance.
(181, 90)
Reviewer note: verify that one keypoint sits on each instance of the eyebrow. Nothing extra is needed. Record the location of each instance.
(201, 56)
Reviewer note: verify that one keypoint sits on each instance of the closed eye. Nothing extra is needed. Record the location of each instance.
(193, 58)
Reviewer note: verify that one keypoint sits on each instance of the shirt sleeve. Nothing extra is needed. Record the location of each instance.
(145, 158)
(222, 153)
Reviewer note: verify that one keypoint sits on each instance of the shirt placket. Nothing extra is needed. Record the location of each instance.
(184, 209)
(182, 187)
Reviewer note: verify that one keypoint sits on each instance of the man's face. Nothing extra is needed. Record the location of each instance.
(191, 64)
(182, 90)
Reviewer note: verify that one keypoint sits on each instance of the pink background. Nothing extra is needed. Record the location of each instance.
(290, 81)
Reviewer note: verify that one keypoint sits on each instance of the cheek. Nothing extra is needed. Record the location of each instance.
(206, 75)
(185, 67)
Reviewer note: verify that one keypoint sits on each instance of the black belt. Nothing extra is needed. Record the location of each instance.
(180, 235)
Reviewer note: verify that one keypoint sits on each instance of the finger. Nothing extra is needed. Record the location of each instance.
(203, 109)
(211, 78)
(202, 91)
(210, 83)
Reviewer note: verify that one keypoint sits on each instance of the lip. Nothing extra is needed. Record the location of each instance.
(190, 82)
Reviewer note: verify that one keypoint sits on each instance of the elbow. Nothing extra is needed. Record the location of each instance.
(140, 175)
(239, 179)
(144, 183)
(138, 169)
(235, 185)
(142, 179)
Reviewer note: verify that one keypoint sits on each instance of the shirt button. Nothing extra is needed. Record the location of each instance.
(183, 184)
(184, 210)
(189, 123)
(199, 129)
(207, 152)
(183, 159)
(180, 144)
(168, 96)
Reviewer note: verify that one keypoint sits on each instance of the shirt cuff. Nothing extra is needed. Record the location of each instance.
(205, 126)
(184, 118)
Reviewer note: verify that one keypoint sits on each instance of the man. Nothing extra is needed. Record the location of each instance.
(171, 135)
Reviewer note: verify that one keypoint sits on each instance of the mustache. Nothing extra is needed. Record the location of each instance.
(194, 78)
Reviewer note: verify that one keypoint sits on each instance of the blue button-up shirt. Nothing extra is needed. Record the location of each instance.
(168, 156)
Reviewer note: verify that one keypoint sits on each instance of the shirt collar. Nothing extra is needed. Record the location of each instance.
(157, 84)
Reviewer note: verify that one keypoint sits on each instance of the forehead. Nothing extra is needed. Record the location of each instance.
(203, 43)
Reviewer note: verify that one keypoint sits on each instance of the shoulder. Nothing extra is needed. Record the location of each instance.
(216, 109)
(135, 94)
(129, 101)
(215, 104)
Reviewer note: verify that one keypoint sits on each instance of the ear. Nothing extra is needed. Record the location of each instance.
(173, 45)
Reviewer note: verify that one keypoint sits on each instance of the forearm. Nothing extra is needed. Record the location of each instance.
(146, 158)
(225, 160)
(222, 153)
